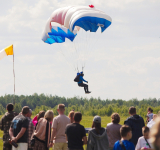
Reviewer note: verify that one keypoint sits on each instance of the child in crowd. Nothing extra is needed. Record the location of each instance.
(75, 133)
(152, 122)
(124, 143)
(143, 142)
(71, 116)
(150, 114)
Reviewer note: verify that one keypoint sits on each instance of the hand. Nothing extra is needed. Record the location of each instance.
(14, 139)
(51, 145)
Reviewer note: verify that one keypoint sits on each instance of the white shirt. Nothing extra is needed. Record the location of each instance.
(150, 116)
(150, 124)
(142, 143)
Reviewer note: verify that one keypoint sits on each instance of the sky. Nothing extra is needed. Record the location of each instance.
(121, 63)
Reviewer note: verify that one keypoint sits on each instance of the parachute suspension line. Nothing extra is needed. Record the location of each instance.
(82, 68)
(77, 69)
(66, 58)
(87, 41)
(91, 43)
(77, 55)
(79, 44)
(86, 46)
(76, 46)
(84, 43)
(69, 54)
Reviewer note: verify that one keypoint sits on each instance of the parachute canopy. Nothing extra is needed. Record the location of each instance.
(58, 35)
(76, 28)
(67, 21)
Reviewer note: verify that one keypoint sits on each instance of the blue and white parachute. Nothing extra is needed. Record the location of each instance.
(67, 22)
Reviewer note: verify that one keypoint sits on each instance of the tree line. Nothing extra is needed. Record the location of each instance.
(88, 107)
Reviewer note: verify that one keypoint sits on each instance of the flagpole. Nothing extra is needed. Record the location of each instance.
(14, 80)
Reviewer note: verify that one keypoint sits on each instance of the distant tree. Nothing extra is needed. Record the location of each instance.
(92, 106)
(17, 108)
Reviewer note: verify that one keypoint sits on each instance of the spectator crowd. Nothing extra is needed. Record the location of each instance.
(66, 133)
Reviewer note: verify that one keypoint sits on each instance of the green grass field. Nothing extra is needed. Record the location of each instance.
(86, 122)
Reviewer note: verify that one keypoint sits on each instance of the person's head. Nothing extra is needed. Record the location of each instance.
(9, 107)
(115, 118)
(155, 134)
(154, 117)
(40, 115)
(77, 117)
(150, 109)
(61, 108)
(30, 113)
(132, 110)
(145, 132)
(81, 73)
(71, 116)
(25, 111)
(126, 132)
(49, 115)
(97, 124)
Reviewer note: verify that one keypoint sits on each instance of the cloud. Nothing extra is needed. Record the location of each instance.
(123, 62)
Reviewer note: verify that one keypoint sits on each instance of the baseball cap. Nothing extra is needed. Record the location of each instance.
(97, 119)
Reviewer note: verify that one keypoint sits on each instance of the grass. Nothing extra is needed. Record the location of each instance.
(86, 122)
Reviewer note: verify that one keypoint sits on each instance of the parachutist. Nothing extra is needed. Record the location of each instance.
(80, 80)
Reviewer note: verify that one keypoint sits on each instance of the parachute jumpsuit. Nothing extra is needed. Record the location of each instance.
(80, 83)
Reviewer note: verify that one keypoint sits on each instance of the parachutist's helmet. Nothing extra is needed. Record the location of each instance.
(82, 74)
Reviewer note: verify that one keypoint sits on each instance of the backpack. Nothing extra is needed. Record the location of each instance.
(77, 78)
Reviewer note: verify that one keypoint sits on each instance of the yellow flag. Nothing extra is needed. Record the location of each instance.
(9, 50)
(6, 51)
